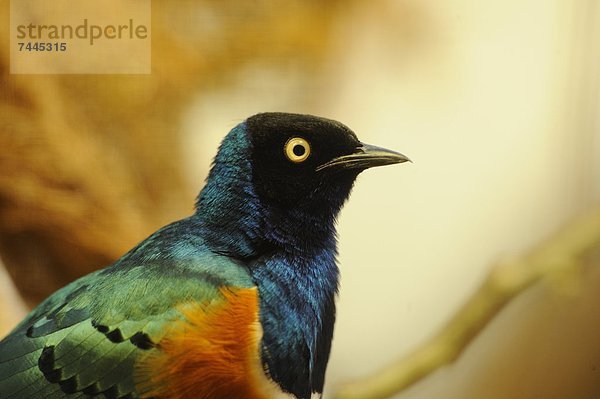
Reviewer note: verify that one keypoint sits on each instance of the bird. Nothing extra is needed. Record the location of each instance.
(237, 300)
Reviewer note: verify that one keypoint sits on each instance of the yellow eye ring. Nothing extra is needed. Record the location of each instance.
(297, 149)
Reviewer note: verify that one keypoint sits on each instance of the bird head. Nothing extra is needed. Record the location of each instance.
(308, 161)
(279, 172)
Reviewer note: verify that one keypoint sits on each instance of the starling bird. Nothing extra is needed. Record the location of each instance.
(235, 301)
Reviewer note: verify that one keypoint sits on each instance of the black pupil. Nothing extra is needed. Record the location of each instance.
(299, 150)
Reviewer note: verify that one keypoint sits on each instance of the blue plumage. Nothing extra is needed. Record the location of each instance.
(228, 207)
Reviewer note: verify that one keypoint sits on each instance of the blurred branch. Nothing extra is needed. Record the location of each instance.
(561, 254)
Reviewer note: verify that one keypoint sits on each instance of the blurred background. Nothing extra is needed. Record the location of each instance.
(496, 102)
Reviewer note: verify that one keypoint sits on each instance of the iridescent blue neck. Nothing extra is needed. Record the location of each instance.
(297, 299)
(228, 205)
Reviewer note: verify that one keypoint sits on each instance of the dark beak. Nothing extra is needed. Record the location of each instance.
(365, 156)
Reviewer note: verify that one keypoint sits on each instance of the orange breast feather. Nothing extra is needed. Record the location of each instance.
(213, 353)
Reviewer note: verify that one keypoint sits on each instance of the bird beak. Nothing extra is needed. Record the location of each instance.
(366, 156)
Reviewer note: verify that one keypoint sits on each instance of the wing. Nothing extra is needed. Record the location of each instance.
(213, 352)
(85, 340)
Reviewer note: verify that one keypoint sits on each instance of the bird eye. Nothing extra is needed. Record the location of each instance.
(297, 149)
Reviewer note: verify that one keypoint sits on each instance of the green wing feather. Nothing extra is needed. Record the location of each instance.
(84, 340)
